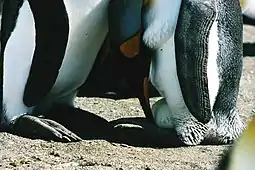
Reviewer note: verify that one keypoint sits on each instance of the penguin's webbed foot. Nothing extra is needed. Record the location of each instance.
(191, 132)
(36, 127)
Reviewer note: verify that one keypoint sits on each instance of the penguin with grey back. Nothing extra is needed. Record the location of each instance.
(47, 56)
(208, 54)
(33, 47)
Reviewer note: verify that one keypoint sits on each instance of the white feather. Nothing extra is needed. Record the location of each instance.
(160, 21)
(163, 73)
(88, 28)
(17, 60)
(212, 67)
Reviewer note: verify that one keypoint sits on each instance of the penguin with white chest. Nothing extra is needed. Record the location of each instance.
(198, 72)
(47, 56)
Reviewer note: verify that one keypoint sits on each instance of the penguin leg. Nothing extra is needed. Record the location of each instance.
(17, 55)
(160, 35)
(125, 32)
(229, 64)
(188, 129)
(164, 77)
(43, 125)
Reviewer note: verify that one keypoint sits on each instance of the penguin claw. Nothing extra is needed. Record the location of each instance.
(67, 134)
(35, 127)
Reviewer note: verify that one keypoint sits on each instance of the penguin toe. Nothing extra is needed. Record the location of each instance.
(40, 128)
(67, 135)
(191, 132)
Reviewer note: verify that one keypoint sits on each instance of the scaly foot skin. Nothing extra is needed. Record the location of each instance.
(35, 127)
(191, 132)
(220, 130)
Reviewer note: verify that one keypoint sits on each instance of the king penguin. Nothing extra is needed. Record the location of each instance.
(197, 72)
(47, 56)
(242, 154)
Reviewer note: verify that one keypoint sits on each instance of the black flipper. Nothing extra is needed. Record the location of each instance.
(10, 14)
(191, 42)
(125, 32)
(52, 29)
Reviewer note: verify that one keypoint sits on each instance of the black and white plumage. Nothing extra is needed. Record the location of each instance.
(86, 32)
(38, 41)
(200, 88)
(48, 55)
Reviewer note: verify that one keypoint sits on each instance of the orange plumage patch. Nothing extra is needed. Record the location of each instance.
(131, 47)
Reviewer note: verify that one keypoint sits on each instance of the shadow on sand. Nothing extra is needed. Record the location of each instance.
(249, 49)
(131, 131)
(248, 21)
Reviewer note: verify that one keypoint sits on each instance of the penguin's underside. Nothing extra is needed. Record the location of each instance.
(56, 42)
(221, 111)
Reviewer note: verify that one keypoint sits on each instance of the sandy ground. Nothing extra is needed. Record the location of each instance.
(144, 149)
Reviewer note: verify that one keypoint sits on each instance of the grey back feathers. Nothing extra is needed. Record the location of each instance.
(191, 42)
(230, 57)
(192, 36)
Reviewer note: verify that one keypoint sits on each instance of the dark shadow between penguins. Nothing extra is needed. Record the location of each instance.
(136, 131)
(248, 21)
(248, 48)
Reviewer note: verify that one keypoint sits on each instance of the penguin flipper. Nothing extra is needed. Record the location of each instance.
(125, 32)
(191, 46)
(52, 29)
